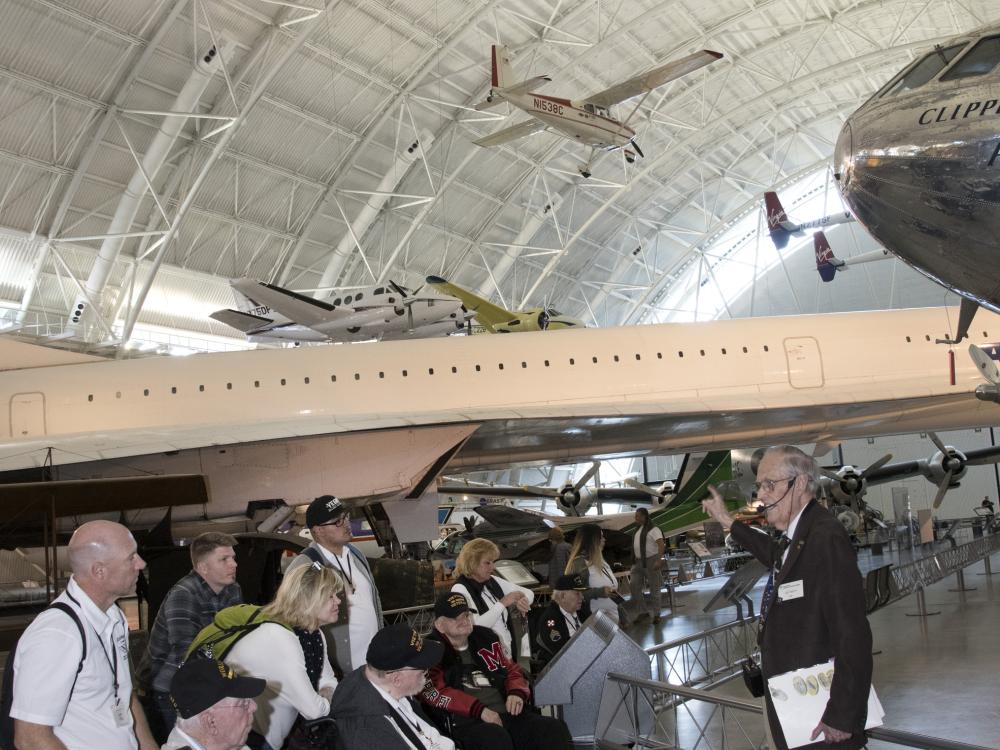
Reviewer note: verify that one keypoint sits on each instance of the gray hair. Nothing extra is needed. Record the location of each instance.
(798, 462)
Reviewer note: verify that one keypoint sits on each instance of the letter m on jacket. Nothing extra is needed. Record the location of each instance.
(493, 656)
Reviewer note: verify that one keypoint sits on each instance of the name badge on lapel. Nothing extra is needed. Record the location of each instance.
(791, 590)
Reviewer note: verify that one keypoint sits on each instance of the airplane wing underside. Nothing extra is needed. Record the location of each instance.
(514, 132)
(506, 442)
(653, 79)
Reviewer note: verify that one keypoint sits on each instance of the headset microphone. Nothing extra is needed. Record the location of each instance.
(764, 508)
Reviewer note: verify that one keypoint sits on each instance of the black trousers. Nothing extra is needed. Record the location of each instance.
(526, 731)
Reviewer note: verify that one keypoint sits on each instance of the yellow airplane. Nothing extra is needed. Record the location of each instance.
(496, 319)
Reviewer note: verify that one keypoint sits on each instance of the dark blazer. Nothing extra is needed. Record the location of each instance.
(553, 633)
(827, 621)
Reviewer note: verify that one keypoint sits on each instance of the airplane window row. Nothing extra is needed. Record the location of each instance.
(981, 59)
(478, 368)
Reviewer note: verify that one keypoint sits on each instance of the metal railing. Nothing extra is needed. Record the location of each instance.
(709, 657)
(685, 718)
(921, 573)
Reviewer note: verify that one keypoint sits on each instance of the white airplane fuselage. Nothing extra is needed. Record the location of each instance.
(581, 122)
(551, 395)
(427, 316)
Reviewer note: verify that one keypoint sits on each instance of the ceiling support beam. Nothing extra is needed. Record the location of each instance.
(267, 75)
(122, 91)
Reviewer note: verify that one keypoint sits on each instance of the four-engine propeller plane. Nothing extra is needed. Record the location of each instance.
(917, 166)
(496, 319)
(271, 314)
(588, 121)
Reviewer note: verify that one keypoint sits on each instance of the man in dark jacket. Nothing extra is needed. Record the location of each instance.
(814, 606)
(484, 692)
(373, 704)
(561, 619)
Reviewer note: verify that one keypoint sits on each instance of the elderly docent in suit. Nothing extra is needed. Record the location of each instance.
(813, 607)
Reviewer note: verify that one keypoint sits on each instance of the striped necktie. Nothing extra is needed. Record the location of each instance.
(768, 598)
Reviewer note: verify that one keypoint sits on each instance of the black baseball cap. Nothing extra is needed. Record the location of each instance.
(451, 604)
(399, 646)
(201, 683)
(324, 509)
(573, 582)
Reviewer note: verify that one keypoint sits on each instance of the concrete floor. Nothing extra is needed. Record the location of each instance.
(936, 676)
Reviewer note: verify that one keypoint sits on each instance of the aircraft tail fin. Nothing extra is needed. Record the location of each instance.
(777, 220)
(826, 262)
(502, 83)
(487, 314)
(502, 72)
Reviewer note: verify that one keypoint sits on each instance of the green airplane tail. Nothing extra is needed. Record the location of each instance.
(685, 510)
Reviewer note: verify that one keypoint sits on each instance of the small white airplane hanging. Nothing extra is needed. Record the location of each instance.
(587, 121)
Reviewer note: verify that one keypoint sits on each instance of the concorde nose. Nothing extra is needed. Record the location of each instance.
(843, 155)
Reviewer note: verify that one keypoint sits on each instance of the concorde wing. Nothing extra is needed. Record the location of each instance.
(521, 130)
(294, 306)
(653, 78)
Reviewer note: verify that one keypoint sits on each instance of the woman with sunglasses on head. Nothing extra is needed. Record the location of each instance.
(289, 652)
(587, 559)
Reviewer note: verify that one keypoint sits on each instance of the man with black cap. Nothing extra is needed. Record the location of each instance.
(373, 704)
(347, 641)
(561, 619)
(484, 692)
(215, 706)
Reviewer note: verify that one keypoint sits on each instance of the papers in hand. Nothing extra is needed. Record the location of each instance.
(800, 699)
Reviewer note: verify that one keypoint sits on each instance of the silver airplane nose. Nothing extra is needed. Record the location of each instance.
(843, 154)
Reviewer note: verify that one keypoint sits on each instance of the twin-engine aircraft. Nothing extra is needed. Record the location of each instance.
(496, 319)
(782, 228)
(587, 121)
(270, 314)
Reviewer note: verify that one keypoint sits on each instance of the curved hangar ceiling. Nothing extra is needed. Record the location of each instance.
(332, 145)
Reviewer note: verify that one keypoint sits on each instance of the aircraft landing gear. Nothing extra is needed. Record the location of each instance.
(629, 157)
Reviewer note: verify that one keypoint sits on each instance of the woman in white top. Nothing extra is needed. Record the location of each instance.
(489, 596)
(293, 661)
(586, 558)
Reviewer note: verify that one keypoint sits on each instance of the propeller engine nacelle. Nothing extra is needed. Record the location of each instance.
(847, 484)
(575, 501)
(941, 463)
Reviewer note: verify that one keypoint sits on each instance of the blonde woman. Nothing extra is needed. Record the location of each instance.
(489, 596)
(300, 680)
(587, 559)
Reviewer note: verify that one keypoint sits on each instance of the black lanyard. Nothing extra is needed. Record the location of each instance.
(575, 622)
(349, 573)
(112, 662)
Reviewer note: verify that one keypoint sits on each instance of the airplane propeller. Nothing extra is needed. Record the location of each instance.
(849, 481)
(543, 320)
(637, 149)
(657, 494)
(946, 467)
(571, 498)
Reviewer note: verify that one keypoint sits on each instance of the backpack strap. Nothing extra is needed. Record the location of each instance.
(314, 554)
(63, 607)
